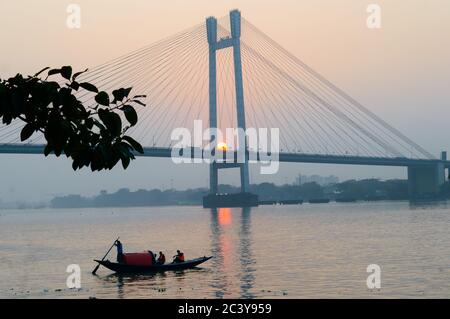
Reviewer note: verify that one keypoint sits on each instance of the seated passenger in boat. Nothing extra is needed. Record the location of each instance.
(179, 257)
(154, 257)
(161, 259)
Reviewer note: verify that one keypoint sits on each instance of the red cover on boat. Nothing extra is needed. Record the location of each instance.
(138, 259)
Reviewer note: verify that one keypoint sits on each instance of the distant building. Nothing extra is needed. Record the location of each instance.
(321, 180)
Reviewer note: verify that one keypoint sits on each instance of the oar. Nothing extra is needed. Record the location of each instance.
(96, 267)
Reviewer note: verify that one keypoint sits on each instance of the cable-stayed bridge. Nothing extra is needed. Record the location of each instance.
(229, 74)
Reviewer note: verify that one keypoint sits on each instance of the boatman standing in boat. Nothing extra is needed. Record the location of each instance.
(119, 246)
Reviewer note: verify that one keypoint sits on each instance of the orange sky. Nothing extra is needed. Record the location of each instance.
(399, 68)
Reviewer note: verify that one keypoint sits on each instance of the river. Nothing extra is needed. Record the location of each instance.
(300, 251)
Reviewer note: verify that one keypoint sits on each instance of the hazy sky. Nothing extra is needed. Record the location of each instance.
(401, 72)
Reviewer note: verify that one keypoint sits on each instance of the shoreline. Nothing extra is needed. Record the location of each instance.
(273, 203)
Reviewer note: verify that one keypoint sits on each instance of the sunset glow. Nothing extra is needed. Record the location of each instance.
(222, 146)
(224, 216)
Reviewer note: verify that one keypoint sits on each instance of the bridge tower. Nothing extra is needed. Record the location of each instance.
(215, 45)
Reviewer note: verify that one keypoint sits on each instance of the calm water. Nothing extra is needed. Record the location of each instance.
(277, 252)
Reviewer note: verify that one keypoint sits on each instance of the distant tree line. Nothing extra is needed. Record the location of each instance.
(368, 189)
(126, 198)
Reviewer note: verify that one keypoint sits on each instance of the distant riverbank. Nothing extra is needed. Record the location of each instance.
(367, 190)
(348, 191)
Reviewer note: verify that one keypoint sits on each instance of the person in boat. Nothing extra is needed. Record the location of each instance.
(153, 257)
(119, 246)
(161, 259)
(179, 257)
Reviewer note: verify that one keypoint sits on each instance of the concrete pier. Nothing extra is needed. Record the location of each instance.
(424, 181)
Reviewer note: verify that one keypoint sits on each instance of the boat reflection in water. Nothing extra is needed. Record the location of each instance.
(145, 285)
(225, 257)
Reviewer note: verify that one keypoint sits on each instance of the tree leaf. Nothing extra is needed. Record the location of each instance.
(26, 132)
(139, 102)
(111, 120)
(66, 72)
(44, 69)
(134, 144)
(75, 85)
(102, 98)
(77, 74)
(75, 164)
(119, 94)
(89, 87)
(48, 149)
(130, 114)
(127, 91)
(125, 162)
(54, 71)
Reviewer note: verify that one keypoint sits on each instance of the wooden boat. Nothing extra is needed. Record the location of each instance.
(130, 269)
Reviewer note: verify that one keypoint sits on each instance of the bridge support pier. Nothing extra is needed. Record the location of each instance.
(424, 181)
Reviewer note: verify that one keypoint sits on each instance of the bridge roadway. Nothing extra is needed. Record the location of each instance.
(164, 152)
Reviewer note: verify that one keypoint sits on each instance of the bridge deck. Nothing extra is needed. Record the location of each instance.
(283, 157)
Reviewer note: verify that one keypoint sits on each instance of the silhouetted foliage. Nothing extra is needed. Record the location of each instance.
(91, 136)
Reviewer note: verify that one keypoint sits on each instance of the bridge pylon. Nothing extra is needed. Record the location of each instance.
(215, 45)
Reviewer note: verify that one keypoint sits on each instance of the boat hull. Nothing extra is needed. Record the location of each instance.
(130, 269)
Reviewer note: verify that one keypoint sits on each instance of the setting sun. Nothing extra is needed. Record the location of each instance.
(222, 146)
